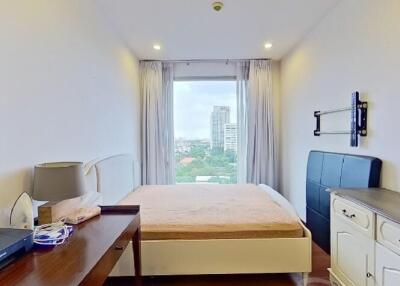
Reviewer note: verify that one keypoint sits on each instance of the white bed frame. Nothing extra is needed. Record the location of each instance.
(208, 256)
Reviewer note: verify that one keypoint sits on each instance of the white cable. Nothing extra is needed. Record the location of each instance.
(56, 233)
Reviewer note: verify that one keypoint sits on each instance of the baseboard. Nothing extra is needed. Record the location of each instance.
(206, 279)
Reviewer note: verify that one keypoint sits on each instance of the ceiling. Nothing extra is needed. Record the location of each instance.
(191, 29)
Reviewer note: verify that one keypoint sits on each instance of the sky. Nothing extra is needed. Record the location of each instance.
(193, 104)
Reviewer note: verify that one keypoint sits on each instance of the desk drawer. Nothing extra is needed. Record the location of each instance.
(354, 214)
(108, 260)
(388, 234)
(121, 243)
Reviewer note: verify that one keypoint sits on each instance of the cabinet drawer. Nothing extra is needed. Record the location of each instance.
(388, 234)
(356, 215)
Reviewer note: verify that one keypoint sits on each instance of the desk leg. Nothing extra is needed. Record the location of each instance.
(137, 257)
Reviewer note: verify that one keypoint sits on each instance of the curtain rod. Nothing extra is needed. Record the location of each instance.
(205, 60)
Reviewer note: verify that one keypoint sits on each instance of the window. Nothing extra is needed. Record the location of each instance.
(205, 131)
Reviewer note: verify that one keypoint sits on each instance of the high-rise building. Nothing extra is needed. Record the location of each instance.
(230, 137)
(219, 117)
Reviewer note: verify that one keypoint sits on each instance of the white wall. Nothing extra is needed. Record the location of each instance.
(205, 70)
(356, 47)
(68, 90)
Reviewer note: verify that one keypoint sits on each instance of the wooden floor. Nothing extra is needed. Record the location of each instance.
(319, 276)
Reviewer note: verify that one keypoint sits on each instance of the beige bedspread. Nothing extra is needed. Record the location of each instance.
(202, 211)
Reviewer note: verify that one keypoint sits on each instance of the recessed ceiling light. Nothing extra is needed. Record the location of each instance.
(267, 45)
(157, 47)
(217, 6)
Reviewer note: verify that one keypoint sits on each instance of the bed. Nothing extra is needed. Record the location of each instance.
(205, 229)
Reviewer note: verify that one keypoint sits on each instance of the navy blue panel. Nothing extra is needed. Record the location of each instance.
(360, 172)
(332, 170)
(375, 176)
(324, 203)
(320, 228)
(312, 194)
(314, 166)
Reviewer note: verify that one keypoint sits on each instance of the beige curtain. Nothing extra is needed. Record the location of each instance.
(261, 151)
(242, 83)
(156, 89)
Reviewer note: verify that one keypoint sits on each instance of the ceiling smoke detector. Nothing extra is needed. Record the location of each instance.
(217, 6)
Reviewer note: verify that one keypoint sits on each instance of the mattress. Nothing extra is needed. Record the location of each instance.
(211, 211)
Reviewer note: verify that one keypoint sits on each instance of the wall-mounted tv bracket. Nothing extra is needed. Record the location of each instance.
(358, 123)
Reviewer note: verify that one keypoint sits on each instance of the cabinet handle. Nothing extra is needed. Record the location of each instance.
(347, 215)
(119, 247)
(369, 275)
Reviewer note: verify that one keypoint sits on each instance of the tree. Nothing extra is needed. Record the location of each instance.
(216, 163)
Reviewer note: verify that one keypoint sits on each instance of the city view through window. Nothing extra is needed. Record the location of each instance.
(205, 131)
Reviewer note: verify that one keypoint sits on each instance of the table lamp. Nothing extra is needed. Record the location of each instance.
(57, 183)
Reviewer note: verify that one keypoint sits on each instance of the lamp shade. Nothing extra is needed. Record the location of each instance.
(58, 181)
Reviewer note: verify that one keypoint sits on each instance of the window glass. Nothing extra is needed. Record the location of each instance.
(205, 131)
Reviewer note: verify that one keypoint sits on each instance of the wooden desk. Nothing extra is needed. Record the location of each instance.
(87, 258)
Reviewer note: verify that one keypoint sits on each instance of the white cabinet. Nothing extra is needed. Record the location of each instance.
(364, 246)
(387, 267)
(352, 255)
(388, 234)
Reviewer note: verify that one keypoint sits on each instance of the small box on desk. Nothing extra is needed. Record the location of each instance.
(54, 211)
(68, 209)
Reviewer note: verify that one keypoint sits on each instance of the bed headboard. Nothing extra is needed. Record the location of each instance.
(334, 170)
(113, 177)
